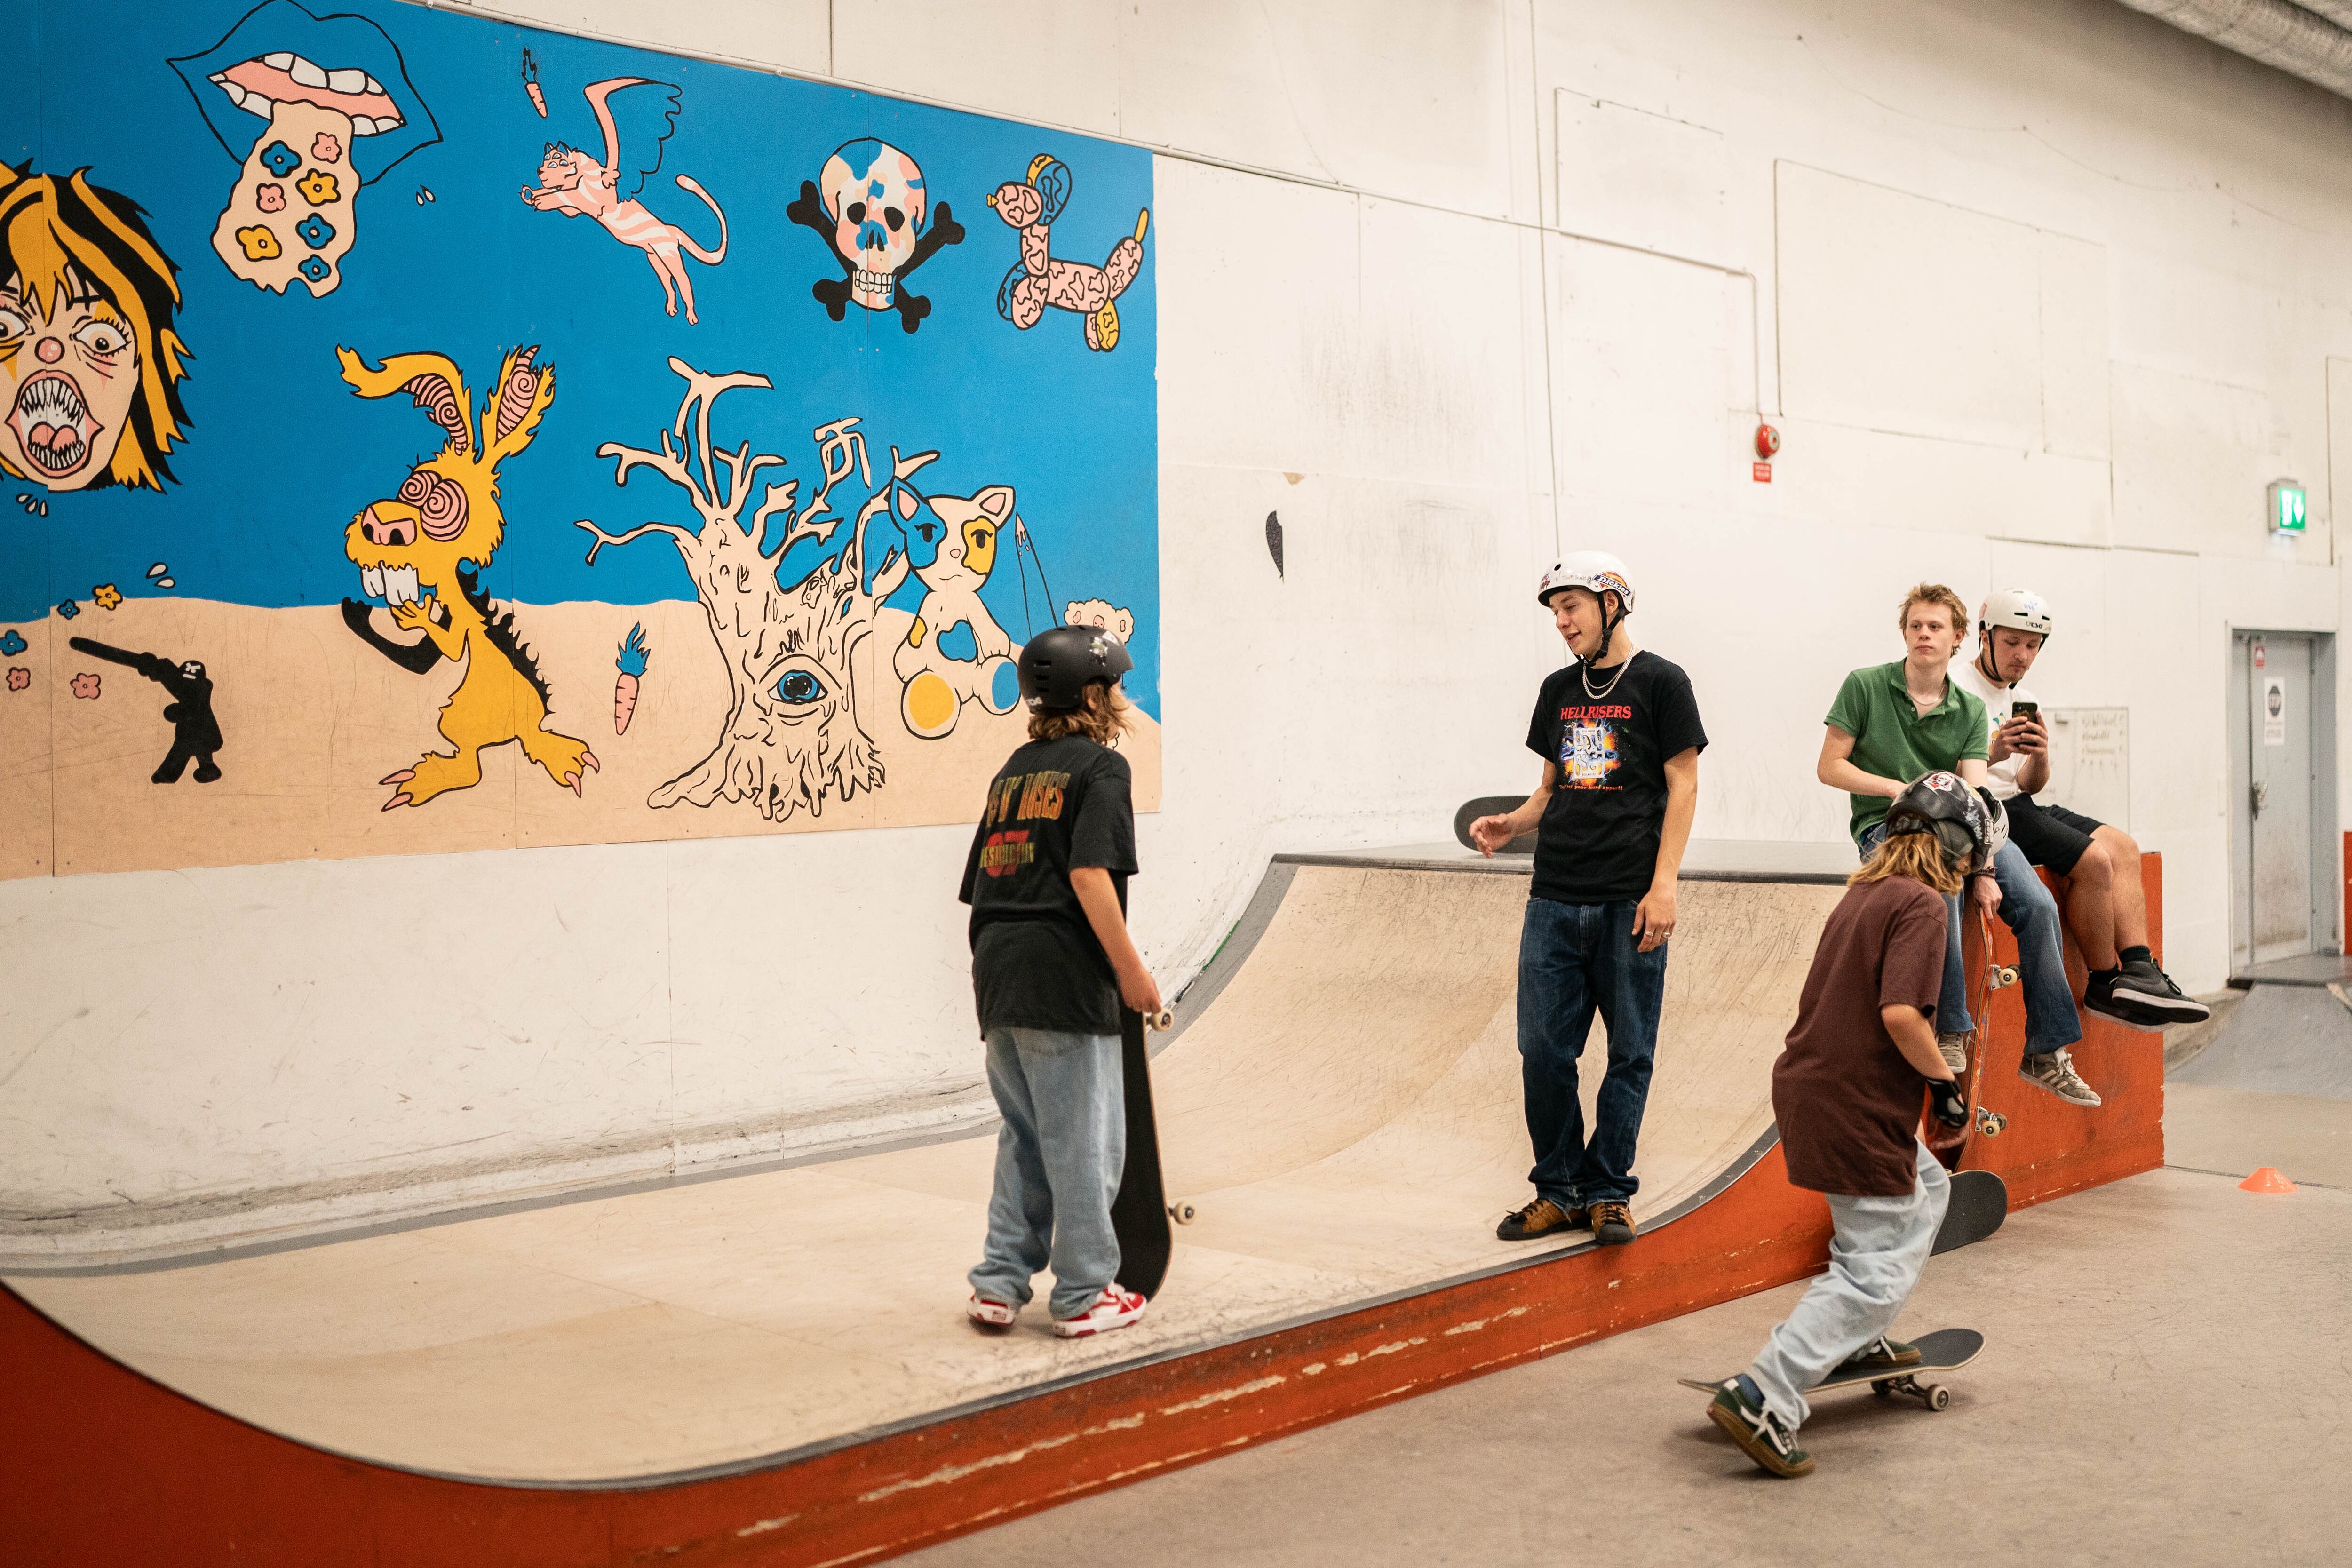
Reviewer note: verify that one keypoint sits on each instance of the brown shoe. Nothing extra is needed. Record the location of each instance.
(1612, 1223)
(1541, 1217)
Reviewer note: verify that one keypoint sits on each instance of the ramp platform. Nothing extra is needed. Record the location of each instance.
(775, 1368)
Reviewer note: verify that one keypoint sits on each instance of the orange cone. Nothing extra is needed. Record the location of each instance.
(2269, 1179)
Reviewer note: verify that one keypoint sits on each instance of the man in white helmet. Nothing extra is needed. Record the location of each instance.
(2106, 904)
(1619, 736)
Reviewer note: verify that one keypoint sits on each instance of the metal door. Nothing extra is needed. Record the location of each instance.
(2272, 724)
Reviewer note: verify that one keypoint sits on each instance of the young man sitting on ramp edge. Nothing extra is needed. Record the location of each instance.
(2107, 905)
(1620, 735)
(1896, 721)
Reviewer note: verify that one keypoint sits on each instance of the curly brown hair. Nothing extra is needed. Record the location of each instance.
(1102, 717)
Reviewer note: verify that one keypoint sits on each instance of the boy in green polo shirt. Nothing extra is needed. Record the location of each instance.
(1891, 723)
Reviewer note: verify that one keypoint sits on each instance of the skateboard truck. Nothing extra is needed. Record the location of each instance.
(1164, 1019)
(2001, 976)
(1990, 1123)
(1934, 1396)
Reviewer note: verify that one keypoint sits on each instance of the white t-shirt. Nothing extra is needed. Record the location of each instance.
(2000, 702)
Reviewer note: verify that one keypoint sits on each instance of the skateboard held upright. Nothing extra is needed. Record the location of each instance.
(1138, 1214)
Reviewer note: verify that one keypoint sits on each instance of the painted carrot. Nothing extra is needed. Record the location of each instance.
(531, 84)
(634, 656)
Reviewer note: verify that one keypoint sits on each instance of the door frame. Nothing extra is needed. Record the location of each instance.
(2328, 859)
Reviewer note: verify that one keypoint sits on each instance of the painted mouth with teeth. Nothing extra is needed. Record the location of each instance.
(53, 425)
(392, 585)
(258, 86)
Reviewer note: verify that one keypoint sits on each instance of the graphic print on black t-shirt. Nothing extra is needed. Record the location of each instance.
(1598, 842)
(1037, 962)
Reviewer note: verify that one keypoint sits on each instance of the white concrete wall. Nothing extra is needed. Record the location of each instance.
(2039, 291)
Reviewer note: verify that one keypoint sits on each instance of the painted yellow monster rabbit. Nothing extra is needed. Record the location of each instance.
(421, 552)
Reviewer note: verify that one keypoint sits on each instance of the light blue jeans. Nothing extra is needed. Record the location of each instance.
(1059, 1157)
(1876, 1250)
(2028, 909)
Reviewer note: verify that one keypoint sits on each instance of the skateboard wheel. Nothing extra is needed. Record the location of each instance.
(1164, 1018)
(1183, 1213)
(1990, 1122)
(1937, 1397)
(1882, 1387)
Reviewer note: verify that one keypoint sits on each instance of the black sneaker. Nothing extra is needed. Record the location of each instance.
(1612, 1223)
(1757, 1432)
(2114, 998)
(1541, 1217)
(2149, 986)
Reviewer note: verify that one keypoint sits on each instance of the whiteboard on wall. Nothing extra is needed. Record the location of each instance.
(2090, 763)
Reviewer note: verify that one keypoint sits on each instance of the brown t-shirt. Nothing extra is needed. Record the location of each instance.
(1847, 1102)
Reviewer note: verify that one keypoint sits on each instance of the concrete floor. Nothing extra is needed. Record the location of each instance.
(2165, 1381)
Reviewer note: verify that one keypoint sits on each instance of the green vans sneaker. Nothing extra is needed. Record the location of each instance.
(1757, 1432)
(1881, 1354)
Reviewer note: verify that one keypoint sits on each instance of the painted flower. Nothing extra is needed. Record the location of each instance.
(19, 678)
(315, 231)
(67, 608)
(259, 243)
(12, 645)
(316, 272)
(85, 685)
(269, 198)
(317, 188)
(279, 158)
(106, 596)
(325, 148)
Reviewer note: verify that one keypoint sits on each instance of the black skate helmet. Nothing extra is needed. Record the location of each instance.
(1969, 824)
(1056, 665)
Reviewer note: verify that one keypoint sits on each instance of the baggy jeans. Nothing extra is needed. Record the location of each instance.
(1876, 1250)
(1575, 959)
(2027, 908)
(1059, 1157)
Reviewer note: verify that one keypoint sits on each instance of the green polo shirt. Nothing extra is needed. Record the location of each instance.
(1894, 740)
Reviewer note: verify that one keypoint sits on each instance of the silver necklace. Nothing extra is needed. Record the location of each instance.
(1584, 674)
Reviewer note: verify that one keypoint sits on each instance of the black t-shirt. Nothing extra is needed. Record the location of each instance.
(1035, 961)
(1598, 843)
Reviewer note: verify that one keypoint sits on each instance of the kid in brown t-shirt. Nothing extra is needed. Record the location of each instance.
(1846, 1094)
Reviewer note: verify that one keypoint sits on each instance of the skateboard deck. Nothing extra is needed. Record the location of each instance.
(1492, 805)
(1979, 1203)
(1138, 1214)
(1946, 1350)
(1950, 1144)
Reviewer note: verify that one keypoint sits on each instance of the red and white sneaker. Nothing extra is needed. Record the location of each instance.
(990, 1314)
(1115, 1309)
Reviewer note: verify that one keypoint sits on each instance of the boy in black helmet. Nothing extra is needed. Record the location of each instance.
(1845, 1094)
(1051, 960)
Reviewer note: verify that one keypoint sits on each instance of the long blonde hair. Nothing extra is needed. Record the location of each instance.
(1918, 856)
(1102, 716)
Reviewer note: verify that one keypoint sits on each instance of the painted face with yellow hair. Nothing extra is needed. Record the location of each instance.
(89, 366)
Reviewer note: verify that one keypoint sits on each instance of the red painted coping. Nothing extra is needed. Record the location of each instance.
(98, 1463)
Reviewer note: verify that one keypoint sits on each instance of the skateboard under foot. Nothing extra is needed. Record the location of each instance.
(1944, 1350)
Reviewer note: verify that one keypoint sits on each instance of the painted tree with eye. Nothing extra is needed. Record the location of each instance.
(89, 365)
(787, 613)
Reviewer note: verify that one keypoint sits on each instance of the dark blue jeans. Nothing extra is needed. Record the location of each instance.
(1575, 959)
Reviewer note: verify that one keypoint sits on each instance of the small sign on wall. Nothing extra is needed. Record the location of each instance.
(2273, 711)
(2090, 763)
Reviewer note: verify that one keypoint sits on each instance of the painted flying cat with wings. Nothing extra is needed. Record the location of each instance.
(574, 184)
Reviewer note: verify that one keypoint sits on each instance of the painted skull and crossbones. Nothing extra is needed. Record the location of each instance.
(869, 203)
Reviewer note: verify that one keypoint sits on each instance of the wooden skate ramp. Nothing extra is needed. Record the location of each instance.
(775, 1367)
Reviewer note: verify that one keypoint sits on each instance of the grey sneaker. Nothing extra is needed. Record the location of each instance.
(2056, 1072)
(1956, 1052)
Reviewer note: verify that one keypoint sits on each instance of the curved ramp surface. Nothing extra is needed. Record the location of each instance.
(1345, 1115)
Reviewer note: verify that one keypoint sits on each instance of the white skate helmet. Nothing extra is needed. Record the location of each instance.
(2019, 609)
(1593, 569)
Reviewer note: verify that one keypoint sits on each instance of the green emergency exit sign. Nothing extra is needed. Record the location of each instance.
(2289, 512)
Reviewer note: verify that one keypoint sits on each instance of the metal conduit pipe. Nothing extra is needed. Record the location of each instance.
(2302, 40)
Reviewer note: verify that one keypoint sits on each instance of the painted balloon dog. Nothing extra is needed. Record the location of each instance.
(1037, 279)
(422, 551)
